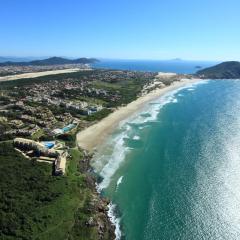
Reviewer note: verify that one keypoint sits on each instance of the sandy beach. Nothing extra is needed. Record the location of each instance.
(39, 74)
(94, 135)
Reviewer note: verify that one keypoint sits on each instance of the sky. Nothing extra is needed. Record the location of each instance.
(121, 29)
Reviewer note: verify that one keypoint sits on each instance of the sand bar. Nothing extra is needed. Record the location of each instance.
(40, 74)
(94, 135)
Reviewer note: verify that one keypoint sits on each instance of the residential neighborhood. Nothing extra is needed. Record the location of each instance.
(53, 108)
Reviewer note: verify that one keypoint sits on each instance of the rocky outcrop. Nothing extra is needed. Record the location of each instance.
(97, 206)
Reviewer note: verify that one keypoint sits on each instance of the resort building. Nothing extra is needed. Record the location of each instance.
(44, 152)
(38, 148)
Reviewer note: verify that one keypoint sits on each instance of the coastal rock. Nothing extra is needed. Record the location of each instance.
(98, 206)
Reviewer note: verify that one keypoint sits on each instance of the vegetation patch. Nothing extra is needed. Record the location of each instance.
(36, 205)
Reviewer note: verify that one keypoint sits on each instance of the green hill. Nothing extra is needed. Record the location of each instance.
(51, 61)
(225, 70)
(34, 205)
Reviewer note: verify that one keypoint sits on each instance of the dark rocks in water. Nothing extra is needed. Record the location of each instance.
(97, 208)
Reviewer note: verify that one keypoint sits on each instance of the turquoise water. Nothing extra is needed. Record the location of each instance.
(182, 66)
(172, 170)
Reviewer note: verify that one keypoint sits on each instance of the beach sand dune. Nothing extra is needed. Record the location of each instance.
(94, 135)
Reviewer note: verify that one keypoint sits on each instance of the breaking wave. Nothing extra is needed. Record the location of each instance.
(114, 220)
(113, 152)
(119, 181)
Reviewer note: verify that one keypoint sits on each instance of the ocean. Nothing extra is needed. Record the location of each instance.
(172, 170)
(177, 66)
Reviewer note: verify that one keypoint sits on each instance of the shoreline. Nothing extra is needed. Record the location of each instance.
(39, 74)
(100, 206)
(91, 137)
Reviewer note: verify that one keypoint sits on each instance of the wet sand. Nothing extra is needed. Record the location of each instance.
(94, 135)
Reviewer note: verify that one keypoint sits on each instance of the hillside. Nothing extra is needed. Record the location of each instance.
(51, 61)
(225, 70)
(36, 205)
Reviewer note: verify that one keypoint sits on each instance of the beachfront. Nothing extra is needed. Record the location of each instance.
(94, 135)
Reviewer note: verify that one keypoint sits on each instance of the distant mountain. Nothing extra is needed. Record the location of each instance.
(16, 59)
(176, 59)
(225, 70)
(50, 61)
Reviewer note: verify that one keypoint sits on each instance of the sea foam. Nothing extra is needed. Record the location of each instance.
(115, 158)
(136, 138)
(114, 220)
(119, 181)
(112, 154)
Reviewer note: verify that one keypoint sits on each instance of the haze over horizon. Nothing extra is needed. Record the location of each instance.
(15, 58)
(121, 29)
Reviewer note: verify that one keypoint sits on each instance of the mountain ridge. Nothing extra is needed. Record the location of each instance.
(224, 70)
(51, 61)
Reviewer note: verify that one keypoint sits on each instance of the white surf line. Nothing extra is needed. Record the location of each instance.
(113, 160)
(114, 220)
(118, 154)
(119, 181)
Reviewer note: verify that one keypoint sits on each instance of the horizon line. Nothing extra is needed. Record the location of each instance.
(121, 59)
